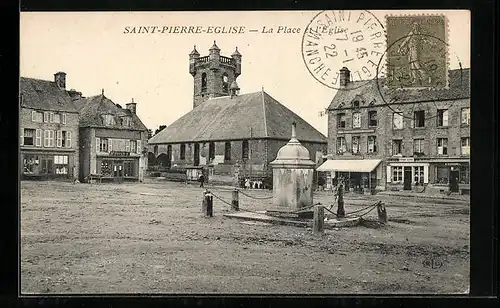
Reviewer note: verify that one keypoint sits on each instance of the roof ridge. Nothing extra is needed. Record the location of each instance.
(264, 111)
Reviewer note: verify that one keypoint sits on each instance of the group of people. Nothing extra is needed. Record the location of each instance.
(253, 184)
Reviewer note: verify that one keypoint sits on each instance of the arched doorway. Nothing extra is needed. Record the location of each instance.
(163, 161)
(151, 159)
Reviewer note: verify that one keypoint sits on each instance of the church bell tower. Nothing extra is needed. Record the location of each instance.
(213, 74)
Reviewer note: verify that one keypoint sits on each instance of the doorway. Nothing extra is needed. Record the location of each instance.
(454, 175)
(407, 178)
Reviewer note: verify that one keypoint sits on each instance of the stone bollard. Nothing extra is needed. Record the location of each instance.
(207, 204)
(235, 203)
(318, 219)
(382, 213)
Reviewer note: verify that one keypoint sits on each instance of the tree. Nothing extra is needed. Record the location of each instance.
(159, 129)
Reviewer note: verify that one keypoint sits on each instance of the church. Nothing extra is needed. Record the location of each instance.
(231, 135)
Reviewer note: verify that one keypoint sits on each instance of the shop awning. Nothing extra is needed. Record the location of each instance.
(349, 165)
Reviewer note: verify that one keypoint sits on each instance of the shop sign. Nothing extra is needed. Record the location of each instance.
(406, 159)
(452, 164)
(119, 153)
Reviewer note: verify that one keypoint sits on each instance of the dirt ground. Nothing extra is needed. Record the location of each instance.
(153, 238)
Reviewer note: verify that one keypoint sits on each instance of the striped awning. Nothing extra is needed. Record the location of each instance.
(350, 165)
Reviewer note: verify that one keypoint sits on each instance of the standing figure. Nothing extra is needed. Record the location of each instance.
(411, 47)
(247, 183)
(201, 179)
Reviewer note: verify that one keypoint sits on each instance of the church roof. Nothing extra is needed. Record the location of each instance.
(369, 92)
(92, 108)
(255, 115)
(44, 95)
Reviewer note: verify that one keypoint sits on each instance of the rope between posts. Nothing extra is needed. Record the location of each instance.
(373, 206)
(253, 197)
(242, 209)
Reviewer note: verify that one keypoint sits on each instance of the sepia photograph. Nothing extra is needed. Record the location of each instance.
(245, 152)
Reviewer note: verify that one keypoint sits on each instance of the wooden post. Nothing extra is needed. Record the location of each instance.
(207, 204)
(382, 213)
(318, 219)
(340, 200)
(204, 203)
(235, 202)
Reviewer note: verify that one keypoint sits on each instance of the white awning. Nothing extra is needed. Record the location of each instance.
(349, 165)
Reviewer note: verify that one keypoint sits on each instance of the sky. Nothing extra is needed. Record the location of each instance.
(96, 53)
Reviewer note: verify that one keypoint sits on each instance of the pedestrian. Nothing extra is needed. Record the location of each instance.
(321, 183)
(247, 183)
(201, 179)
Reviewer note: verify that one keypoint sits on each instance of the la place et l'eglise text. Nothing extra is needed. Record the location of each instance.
(183, 29)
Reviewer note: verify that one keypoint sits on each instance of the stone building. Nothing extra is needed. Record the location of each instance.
(227, 132)
(419, 141)
(48, 129)
(112, 140)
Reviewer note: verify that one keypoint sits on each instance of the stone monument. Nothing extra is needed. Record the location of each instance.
(293, 172)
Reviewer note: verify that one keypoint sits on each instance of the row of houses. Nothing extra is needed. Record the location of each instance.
(412, 139)
(64, 135)
(419, 141)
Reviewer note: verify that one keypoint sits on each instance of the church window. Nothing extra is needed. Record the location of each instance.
(244, 152)
(204, 82)
(183, 152)
(227, 151)
(211, 151)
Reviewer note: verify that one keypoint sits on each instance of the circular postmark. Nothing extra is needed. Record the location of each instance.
(336, 39)
(414, 72)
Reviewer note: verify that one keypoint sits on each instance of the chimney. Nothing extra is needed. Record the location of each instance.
(60, 79)
(75, 95)
(131, 106)
(345, 77)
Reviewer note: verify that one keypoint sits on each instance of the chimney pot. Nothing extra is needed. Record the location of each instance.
(60, 79)
(345, 77)
(131, 106)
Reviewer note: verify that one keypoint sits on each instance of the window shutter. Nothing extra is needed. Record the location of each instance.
(445, 118)
(139, 148)
(59, 139)
(388, 175)
(426, 174)
(38, 139)
(127, 145)
(68, 139)
(21, 135)
(63, 118)
(98, 145)
(110, 145)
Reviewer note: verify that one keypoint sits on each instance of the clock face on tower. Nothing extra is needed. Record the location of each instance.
(224, 78)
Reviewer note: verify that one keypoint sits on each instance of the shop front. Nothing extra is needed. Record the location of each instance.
(453, 177)
(361, 176)
(53, 165)
(118, 167)
(407, 174)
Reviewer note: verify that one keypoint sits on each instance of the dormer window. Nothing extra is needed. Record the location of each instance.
(355, 104)
(126, 121)
(108, 119)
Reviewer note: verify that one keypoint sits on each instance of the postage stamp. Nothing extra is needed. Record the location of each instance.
(336, 39)
(417, 52)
